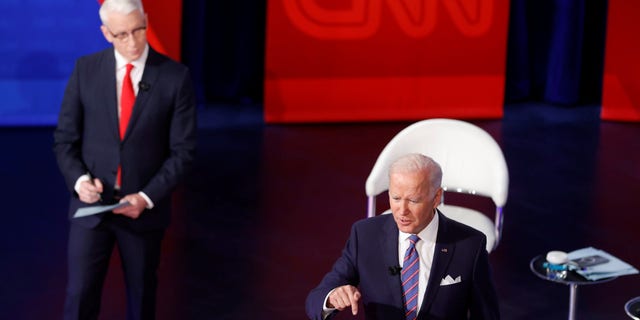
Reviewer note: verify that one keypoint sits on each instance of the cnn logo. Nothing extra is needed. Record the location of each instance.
(416, 18)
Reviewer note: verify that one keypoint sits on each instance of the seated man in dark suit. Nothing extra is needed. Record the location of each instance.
(412, 264)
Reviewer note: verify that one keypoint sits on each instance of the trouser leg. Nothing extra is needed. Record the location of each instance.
(140, 255)
(89, 250)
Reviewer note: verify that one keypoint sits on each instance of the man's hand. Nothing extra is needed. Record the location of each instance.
(137, 205)
(90, 191)
(344, 297)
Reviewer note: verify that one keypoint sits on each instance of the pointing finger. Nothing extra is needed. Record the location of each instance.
(353, 298)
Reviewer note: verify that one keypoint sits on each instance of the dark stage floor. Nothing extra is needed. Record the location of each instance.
(269, 207)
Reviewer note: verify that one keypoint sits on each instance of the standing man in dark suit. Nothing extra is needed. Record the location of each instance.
(126, 132)
(412, 264)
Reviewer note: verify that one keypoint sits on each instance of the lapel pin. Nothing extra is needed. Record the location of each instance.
(444, 250)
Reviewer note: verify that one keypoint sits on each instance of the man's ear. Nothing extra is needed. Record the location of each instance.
(107, 35)
(438, 198)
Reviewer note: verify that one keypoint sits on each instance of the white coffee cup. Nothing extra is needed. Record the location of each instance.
(557, 257)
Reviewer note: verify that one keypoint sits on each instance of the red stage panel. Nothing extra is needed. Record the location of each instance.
(376, 60)
(165, 26)
(621, 85)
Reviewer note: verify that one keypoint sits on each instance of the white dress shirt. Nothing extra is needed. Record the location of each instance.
(136, 72)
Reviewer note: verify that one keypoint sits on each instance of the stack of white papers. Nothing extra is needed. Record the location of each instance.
(595, 264)
(89, 211)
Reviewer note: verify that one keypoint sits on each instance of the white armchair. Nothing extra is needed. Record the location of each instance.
(472, 163)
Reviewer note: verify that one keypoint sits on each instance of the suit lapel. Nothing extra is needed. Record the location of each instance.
(441, 258)
(110, 93)
(389, 247)
(149, 78)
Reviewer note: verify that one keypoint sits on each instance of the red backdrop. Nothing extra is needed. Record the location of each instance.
(621, 85)
(165, 25)
(374, 60)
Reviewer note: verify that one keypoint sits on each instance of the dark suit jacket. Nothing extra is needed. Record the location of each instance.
(372, 249)
(159, 143)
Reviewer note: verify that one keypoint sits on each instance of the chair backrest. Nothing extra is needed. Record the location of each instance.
(471, 160)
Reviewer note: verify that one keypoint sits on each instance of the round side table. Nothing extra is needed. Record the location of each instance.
(632, 308)
(573, 280)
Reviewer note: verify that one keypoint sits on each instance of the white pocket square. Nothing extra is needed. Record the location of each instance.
(448, 280)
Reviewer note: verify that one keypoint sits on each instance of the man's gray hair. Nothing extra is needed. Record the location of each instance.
(119, 6)
(416, 162)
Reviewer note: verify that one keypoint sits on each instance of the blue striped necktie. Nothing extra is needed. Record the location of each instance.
(409, 277)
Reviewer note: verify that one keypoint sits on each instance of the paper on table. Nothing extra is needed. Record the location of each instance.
(88, 211)
(612, 268)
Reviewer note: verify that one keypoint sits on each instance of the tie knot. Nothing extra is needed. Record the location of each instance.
(129, 67)
(414, 238)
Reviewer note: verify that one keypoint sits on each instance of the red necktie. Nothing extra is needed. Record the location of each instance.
(127, 99)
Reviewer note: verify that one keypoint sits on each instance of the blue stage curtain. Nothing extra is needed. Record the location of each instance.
(223, 45)
(556, 51)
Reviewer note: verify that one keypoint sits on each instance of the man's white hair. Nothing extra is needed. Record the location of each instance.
(416, 162)
(119, 6)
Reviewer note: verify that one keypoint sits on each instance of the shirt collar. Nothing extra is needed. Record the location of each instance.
(121, 62)
(428, 234)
